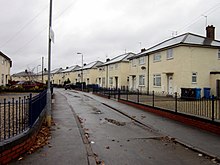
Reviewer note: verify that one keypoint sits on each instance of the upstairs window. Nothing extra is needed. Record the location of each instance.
(133, 62)
(169, 53)
(157, 57)
(219, 54)
(116, 66)
(142, 60)
(111, 67)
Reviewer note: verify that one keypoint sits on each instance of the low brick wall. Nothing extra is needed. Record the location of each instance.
(204, 124)
(18, 145)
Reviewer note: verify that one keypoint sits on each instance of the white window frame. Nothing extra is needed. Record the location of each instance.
(3, 79)
(170, 54)
(103, 81)
(116, 66)
(141, 80)
(111, 67)
(219, 54)
(194, 77)
(133, 62)
(157, 57)
(111, 80)
(142, 60)
(157, 80)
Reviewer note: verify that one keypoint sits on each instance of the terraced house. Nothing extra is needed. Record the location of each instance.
(90, 72)
(114, 73)
(5, 66)
(185, 61)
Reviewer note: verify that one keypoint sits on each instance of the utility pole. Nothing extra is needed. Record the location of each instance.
(48, 114)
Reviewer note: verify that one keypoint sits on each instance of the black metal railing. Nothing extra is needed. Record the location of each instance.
(17, 116)
(202, 107)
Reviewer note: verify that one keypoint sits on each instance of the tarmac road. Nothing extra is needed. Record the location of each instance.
(116, 139)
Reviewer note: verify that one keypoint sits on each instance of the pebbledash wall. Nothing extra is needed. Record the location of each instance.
(18, 145)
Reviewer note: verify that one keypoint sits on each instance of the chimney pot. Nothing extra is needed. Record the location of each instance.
(210, 32)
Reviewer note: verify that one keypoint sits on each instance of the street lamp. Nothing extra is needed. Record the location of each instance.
(81, 71)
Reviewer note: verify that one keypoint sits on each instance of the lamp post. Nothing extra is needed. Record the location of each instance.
(81, 71)
(48, 112)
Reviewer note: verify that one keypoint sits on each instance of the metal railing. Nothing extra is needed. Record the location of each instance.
(202, 108)
(17, 116)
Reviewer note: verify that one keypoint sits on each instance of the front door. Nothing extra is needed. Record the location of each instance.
(133, 85)
(170, 84)
(116, 82)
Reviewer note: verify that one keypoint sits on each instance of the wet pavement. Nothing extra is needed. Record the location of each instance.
(88, 130)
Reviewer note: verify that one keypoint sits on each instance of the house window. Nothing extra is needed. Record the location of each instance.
(194, 77)
(116, 66)
(133, 62)
(142, 60)
(157, 57)
(103, 81)
(141, 80)
(111, 67)
(111, 80)
(219, 54)
(157, 80)
(3, 79)
(169, 53)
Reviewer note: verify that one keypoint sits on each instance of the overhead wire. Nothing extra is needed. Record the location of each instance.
(24, 27)
(206, 13)
(44, 28)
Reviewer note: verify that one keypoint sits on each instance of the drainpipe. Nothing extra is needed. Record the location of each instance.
(148, 74)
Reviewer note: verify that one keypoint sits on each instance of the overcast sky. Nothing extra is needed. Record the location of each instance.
(99, 29)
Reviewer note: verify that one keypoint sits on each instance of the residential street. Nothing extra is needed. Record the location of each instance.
(117, 139)
(89, 130)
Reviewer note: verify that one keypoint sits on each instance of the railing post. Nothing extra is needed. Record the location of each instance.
(153, 98)
(176, 102)
(213, 108)
(127, 94)
(109, 94)
(9, 119)
(119, 93)
(30, 111)
(137, 95)
(13, 116)
(4, 118)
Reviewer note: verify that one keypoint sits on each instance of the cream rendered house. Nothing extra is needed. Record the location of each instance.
(90, 72)
(114, 73)
(185, 61)
(55, 78)
(68, 73)
(23, 76)
(5, 65)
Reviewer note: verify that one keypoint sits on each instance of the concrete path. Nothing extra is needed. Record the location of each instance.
(66, 146)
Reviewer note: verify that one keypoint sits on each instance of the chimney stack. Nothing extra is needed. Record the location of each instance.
(210, 32)
(142, 50)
